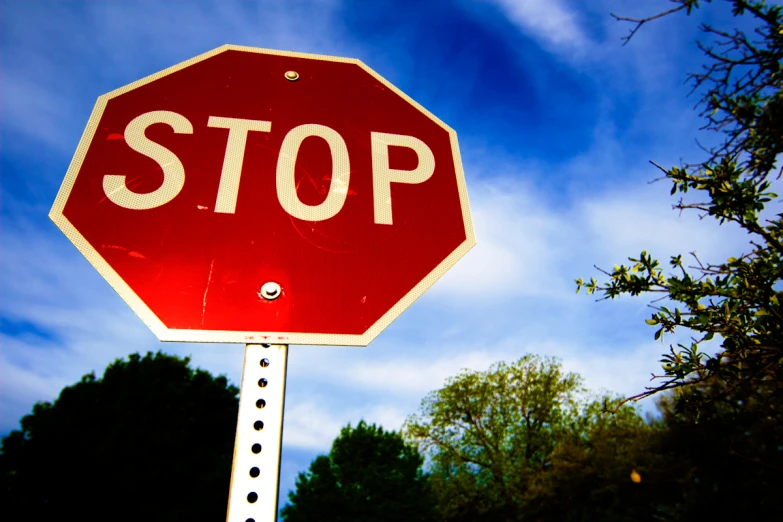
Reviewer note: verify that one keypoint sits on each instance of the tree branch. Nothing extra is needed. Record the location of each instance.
(641, 21)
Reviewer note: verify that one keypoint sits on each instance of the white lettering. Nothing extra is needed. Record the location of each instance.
(228, 189)
(173, 172)
(235, 155)
(286, 183)
(383, 176)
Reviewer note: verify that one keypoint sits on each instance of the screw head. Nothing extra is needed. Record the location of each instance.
(270, 291)
(291, 76)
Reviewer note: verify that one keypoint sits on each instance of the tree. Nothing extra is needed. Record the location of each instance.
(727, 457)
(370, 475)
(738, 300)
(608, 467)
(522, 441)
(488, 432)
(150, 440)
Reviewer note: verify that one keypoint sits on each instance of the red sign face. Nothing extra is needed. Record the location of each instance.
(249, 195)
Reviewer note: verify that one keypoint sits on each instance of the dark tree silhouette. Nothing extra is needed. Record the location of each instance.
(727, 457)
(369, 476)
(150, 440)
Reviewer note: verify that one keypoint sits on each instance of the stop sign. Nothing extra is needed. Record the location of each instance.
(249, 195)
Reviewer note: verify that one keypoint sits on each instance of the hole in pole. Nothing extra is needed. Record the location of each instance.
(256, 448)
(262, 382)
(254, 472)
(260, 403)
(252, 497)
(250, 520)
(264, 362)
(258, 425)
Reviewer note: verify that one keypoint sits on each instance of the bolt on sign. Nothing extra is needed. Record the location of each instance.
(266, 198)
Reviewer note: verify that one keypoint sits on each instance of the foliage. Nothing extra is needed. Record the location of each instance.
(150, 440)
(728, 461)
(738, 300)
(489, 432)
(603, 469)
(515, 441)
(369, 476)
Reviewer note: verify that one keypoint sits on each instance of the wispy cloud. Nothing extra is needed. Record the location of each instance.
(310, 426)
(520, 244)
(552, 22)
(528, 247)
(111, 44)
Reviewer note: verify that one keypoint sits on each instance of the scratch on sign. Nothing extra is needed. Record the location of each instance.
(204, 302)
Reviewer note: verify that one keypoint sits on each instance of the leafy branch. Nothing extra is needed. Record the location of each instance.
(739, 299)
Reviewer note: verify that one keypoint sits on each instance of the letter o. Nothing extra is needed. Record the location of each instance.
(286, 182)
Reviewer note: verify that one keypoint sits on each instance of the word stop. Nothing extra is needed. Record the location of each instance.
(174, 173)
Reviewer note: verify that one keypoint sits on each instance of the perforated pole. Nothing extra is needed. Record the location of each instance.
(255, 475)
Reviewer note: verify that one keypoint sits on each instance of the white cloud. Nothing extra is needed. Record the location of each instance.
(550, 21)
(519, 244)
(309, 425)
(26, 381)
(392, 373)
(390, 417)
(625, 223)
(121, 42)
(584, 35)
(527, 247)
(35, 111)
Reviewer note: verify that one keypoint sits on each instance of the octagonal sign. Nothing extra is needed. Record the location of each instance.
(249, 195)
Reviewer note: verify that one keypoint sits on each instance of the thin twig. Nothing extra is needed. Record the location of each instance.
(641, 21)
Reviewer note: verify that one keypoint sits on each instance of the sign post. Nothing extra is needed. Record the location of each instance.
(255, 474)
(266, 198)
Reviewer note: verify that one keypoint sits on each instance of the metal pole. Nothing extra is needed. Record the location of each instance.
(255, 474)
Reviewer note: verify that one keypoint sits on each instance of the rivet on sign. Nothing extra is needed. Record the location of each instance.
(291, 76)
(270, 291)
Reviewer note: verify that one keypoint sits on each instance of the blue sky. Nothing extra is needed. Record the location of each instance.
(556, 121)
